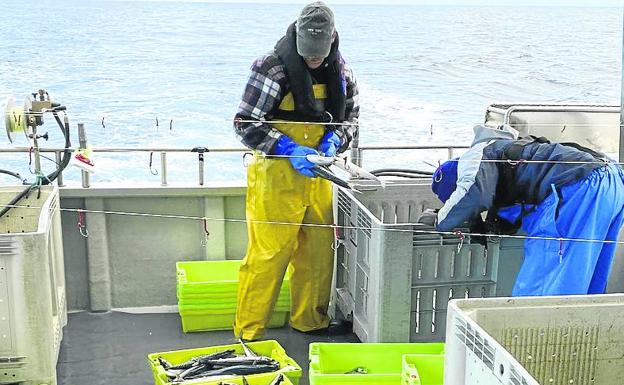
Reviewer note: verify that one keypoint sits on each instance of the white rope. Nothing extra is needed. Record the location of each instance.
(253, 152)
(518, 162)
(165, 122)
(458, 234)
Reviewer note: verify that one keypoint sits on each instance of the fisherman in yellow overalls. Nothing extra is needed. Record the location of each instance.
(304, 79)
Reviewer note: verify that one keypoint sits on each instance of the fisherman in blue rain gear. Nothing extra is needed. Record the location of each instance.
(567, 198)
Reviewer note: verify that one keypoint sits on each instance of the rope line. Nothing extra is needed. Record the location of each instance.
(457, 234)
(217, 150)
(151, 117)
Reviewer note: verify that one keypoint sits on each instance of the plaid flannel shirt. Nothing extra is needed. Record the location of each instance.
(266, 87)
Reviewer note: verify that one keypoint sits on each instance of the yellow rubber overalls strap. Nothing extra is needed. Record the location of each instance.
(280, 203)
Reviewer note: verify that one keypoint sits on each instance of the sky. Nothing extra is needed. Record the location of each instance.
(554, 3)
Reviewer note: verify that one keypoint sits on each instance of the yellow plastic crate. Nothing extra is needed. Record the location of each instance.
(269, 348)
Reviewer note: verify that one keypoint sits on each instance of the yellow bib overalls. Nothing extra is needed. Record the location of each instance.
(278, 193)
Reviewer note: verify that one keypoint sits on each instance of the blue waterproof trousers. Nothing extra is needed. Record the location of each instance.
(590, 209)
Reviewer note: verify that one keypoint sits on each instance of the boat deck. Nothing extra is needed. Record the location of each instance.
(112, 348)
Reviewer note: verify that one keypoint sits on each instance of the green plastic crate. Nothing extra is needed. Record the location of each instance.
(281, 304)
(269, 348)
(215, 278)
(262, 379)
(230, 296)
(423, 369)
(223, 296)
(329, 362)
(199, 321)
(357, 379)
(207, 296)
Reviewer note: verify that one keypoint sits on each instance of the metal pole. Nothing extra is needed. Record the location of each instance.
(82, 139)
(36, 151)
(622, 97)
(82, 135)
(201, 169)
(200, 157)
(85, 179)
(59, 178)
(355, 151)
(163, 168)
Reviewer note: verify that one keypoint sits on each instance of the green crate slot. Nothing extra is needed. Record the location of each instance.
(423, 369)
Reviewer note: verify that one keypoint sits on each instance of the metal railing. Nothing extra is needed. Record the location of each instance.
(356, 156)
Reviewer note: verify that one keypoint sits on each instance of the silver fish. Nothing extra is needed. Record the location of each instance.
(246, 349)
(344, 164)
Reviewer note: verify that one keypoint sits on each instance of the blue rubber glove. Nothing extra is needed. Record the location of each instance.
(330, 143)
(297, 155)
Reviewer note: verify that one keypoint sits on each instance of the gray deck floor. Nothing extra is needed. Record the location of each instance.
(112, 348)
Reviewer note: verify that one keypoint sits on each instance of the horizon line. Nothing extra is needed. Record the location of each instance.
(469, 3)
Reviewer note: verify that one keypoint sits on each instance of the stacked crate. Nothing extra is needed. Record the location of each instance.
(207, 296)
(33, 308)
(394, 276)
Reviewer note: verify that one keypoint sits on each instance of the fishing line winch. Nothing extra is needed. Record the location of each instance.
(27, 119)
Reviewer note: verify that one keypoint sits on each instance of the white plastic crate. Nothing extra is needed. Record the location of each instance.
(575, 340)
(394, 278)
(33, 309)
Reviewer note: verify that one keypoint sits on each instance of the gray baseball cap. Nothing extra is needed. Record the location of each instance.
(315, 27)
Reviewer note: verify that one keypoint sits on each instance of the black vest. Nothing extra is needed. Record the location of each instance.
(306, 108)
(506, 196)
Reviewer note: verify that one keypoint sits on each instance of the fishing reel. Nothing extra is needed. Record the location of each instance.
(29, 116)
(26, 119)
